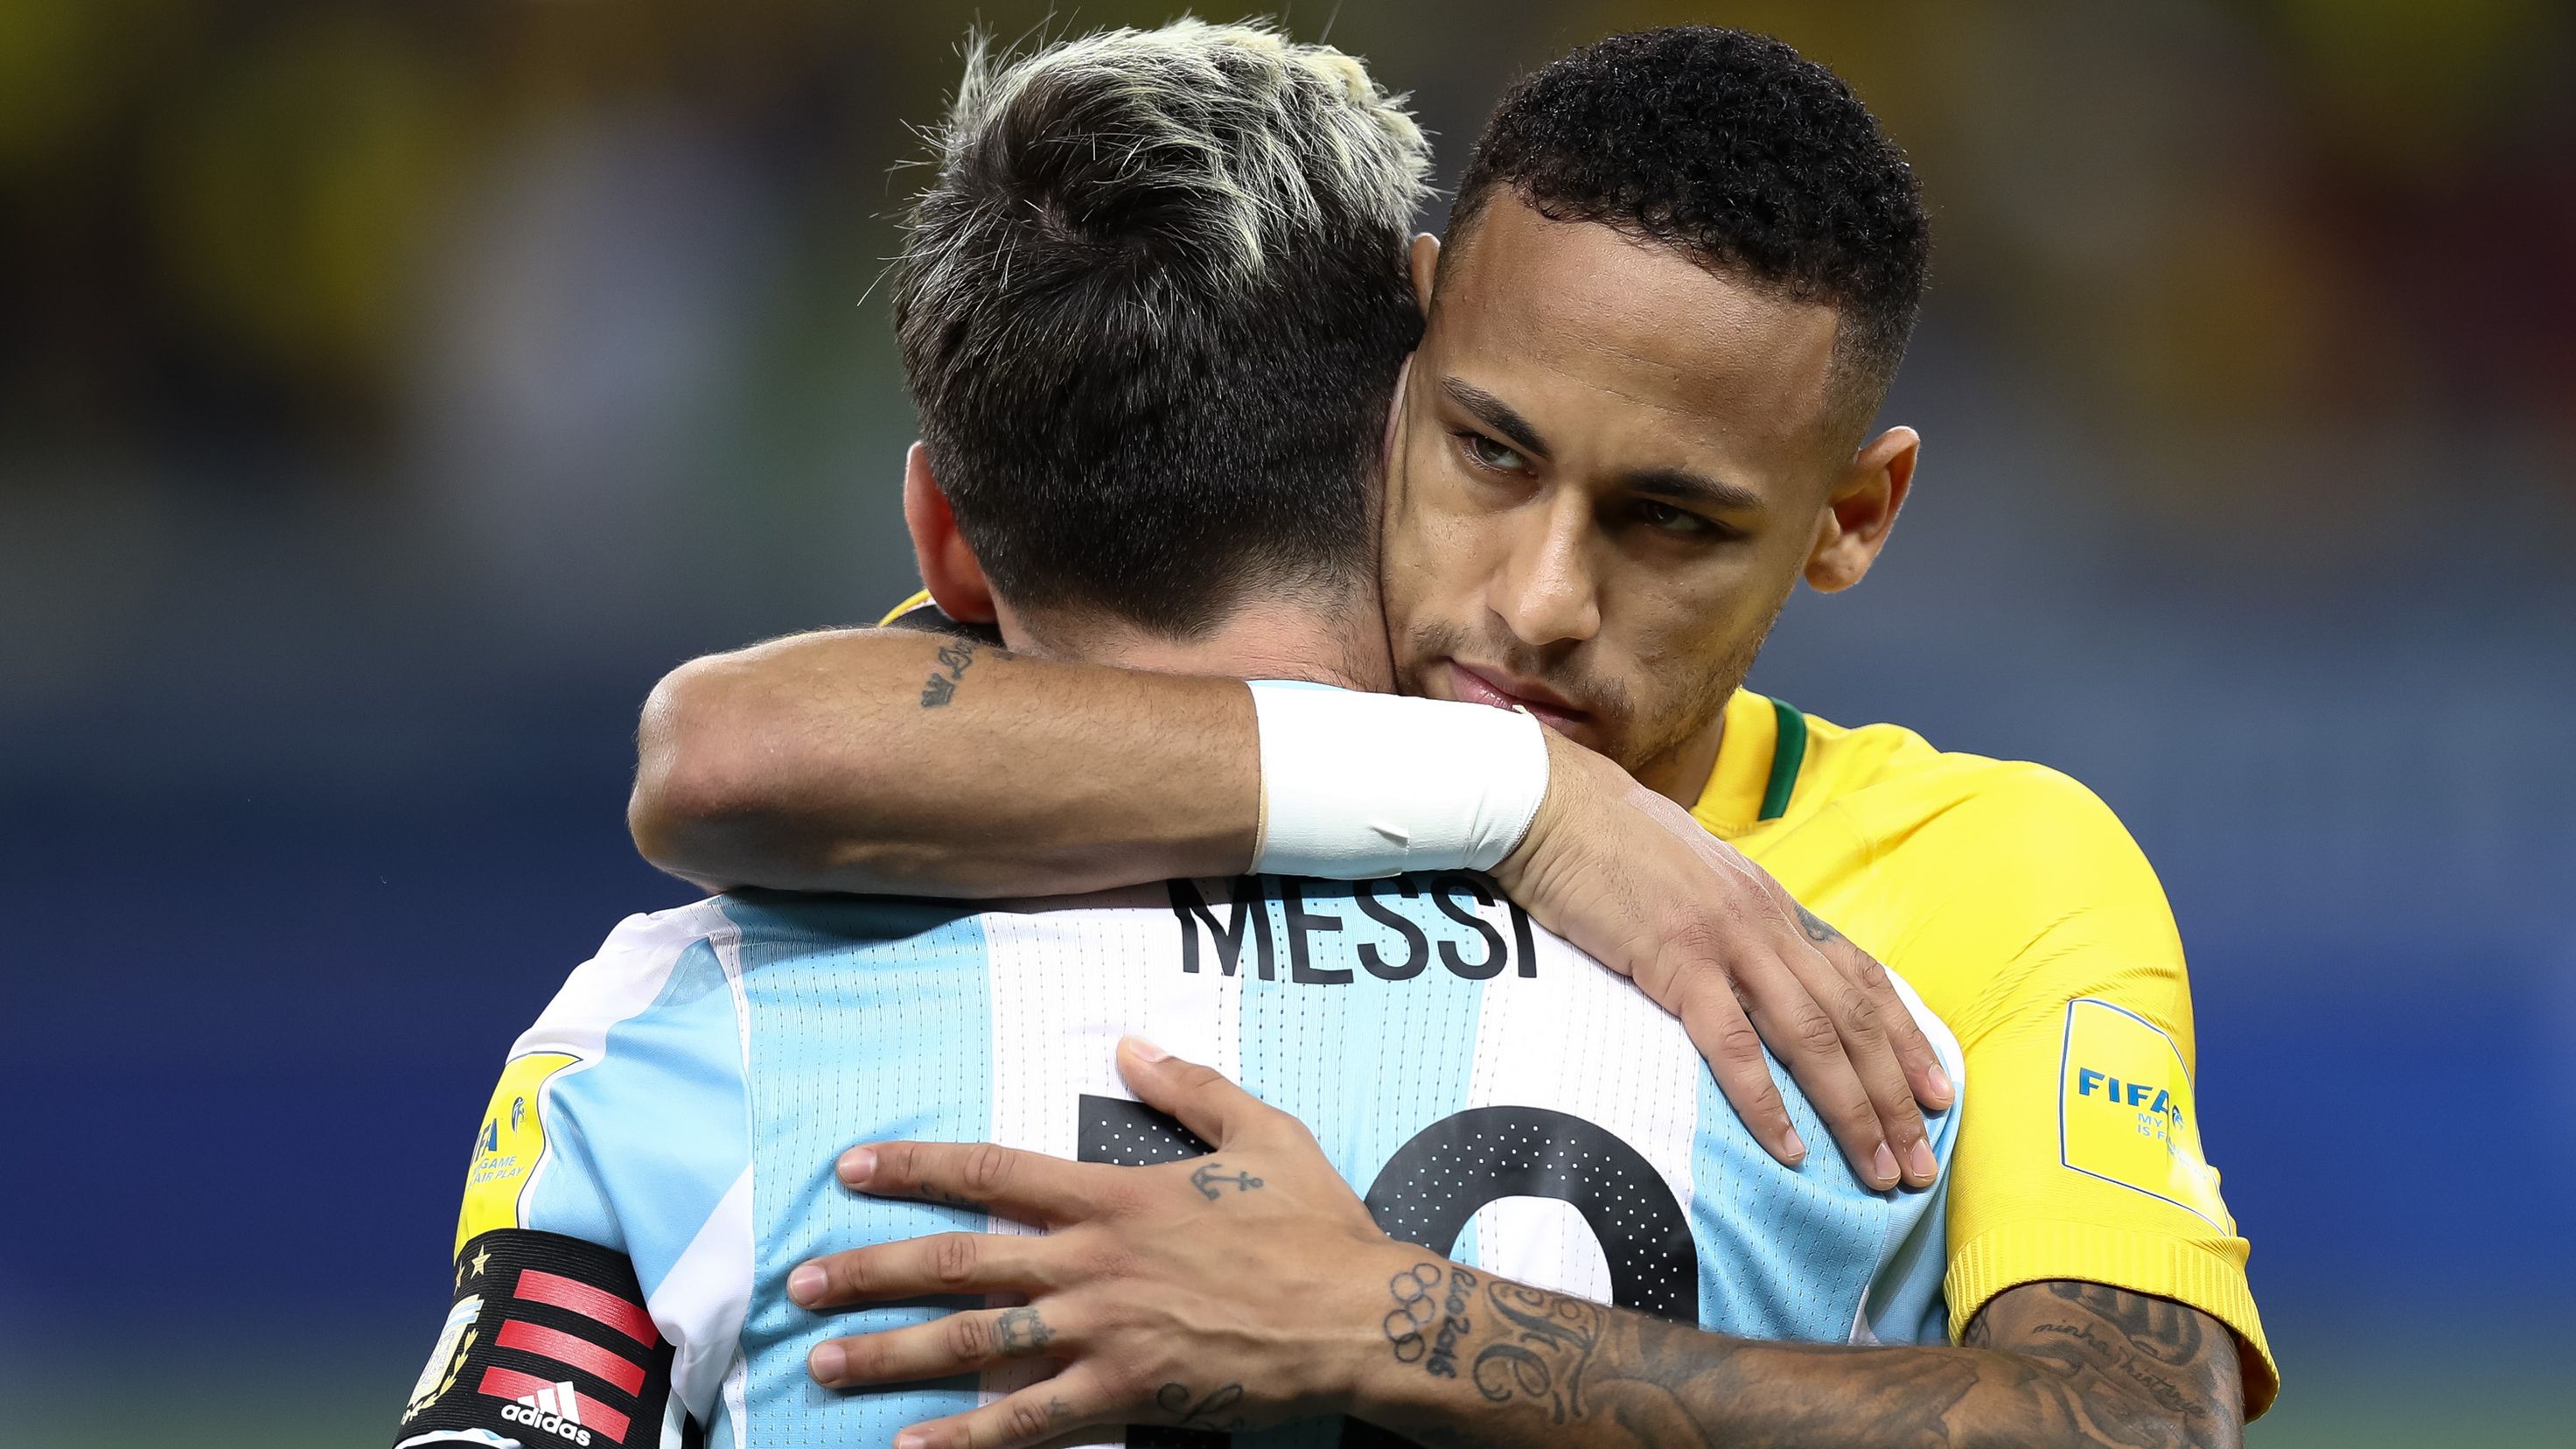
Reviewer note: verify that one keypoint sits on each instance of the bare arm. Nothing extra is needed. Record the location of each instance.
(888, 760)
(2046, 1365)
(894, 761)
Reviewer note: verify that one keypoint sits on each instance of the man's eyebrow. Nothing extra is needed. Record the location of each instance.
(1496, 414)
(1684, 486)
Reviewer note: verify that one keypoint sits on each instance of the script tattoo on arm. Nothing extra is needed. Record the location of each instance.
(953, 662)
(2047, 1365)
(1551, 1338)
(2162, 1374)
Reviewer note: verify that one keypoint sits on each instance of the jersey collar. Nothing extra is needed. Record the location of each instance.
(1749, 785)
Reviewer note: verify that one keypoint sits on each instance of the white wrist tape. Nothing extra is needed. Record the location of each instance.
(1355, 786)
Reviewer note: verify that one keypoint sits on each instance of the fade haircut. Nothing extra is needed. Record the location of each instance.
(1152, 311)
(1743, 155)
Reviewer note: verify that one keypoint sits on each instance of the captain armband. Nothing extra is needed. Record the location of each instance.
(1356, 786)
(546, 1343)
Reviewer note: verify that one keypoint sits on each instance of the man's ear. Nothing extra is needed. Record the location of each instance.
(1426, 265)
(1861, 510)
(949, 569)
(1394, 411)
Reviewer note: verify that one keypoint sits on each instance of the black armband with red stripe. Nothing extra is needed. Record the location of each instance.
(546, 1342)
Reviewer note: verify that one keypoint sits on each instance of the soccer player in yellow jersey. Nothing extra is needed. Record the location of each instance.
(1681, 269)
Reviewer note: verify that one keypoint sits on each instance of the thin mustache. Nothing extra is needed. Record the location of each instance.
(1591, 696)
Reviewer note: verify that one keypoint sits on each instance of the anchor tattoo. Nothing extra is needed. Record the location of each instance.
(1205, 1179)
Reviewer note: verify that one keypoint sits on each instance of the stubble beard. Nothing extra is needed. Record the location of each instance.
(1689, 725)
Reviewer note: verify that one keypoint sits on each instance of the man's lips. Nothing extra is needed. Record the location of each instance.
(1552, 709)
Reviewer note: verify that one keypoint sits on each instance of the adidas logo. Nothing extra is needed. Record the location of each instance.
(556, 1409)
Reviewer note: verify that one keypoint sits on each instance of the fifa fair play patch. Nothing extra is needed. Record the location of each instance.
(2125, 1110)
(507, 1145)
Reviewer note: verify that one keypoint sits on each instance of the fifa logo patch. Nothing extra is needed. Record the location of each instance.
(2125, 1111)
(2157, 1109)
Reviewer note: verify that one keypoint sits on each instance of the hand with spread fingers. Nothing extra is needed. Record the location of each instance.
(1630, 878)
(1139, 1287)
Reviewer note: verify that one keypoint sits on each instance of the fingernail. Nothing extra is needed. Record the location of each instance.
(1941, 1087)
(1796, 1144)
(910, 1440)
(805, 1284)
(827, 1363)
(1883, 1167)
(1926, 1166)
(857, 1166)
(1146, 1051)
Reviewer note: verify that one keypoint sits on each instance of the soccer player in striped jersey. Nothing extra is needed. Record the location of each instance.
(1119, 221)
(1680, 272)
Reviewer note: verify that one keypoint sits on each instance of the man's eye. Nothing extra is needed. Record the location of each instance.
(1490, 454)
(1665, 518)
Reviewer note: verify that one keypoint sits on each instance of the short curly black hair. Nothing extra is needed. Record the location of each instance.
(1742, 154)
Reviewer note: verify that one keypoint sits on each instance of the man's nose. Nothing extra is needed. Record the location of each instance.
(1545, 594)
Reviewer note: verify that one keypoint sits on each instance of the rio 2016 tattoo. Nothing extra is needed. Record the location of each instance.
(954, 660)
(1020, 1332)
(1189, 1411)
(1433, 1298)
(1207, 1180)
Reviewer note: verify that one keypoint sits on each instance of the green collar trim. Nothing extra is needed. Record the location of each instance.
(1788, 752)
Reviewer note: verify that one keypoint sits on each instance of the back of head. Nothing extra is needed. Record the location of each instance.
(1151, 312)
(1743, 155)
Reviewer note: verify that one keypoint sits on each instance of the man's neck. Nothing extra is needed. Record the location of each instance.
(1343, 646)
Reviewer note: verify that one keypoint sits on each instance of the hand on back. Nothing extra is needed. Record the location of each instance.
(1631, 879)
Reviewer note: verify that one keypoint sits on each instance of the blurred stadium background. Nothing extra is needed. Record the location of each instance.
(388, 394)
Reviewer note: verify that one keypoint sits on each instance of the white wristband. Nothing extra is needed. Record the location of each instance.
(1355, 786)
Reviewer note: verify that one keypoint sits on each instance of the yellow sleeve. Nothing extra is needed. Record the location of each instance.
(2080, 1142)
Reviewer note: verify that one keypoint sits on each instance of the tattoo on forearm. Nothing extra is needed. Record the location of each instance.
(1190, 1411)
(2046, 1364)
(1430, 1316)
(954, 660)
(1415, 1293)
(1551, 1340)
(1019, 1332)
(2157, 1349)
(1208, 1180)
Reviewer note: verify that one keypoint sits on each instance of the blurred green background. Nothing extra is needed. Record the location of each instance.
(390, 393)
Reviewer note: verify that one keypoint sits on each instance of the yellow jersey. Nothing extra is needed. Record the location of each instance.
(2018, 907)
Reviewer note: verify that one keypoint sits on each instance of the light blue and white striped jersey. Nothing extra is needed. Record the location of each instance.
(1490, 1091)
